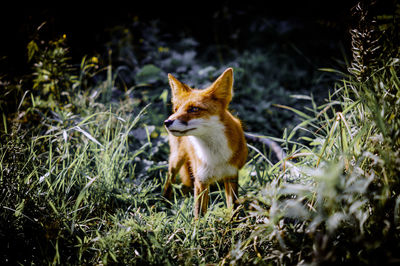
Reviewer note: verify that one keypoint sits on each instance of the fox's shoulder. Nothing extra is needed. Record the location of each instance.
(236, 140)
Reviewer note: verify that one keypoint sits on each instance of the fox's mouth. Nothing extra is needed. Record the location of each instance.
(182, 131)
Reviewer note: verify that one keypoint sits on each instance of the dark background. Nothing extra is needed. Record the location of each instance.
(208, 22)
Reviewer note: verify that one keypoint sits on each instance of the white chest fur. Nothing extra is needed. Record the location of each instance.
(213, 153)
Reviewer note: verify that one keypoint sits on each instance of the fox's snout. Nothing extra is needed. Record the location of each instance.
(169, 122)
(178, 127)
(193, 127)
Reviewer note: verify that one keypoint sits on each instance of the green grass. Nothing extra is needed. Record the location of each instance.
(84, 159)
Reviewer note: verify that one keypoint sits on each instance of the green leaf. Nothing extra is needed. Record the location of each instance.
(148, 74)
(164, 96)
(300, 113)
(32, 49)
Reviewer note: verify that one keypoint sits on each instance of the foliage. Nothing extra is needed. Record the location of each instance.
(345, 204)
(53, 79)
(344, 208)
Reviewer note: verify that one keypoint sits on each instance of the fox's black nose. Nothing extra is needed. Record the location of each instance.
(167, 123)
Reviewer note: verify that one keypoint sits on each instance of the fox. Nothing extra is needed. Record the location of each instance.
(207, 143)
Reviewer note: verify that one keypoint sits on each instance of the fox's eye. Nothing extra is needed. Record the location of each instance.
(193, 109)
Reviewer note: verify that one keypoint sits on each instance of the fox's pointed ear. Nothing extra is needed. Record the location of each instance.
(221, 89)
(177, 87)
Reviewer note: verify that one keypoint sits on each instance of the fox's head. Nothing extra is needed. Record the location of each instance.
(196, 112)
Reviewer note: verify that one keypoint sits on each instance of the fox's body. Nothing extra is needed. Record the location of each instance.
(206, 141)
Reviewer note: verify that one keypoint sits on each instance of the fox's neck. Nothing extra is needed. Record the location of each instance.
(212, 146)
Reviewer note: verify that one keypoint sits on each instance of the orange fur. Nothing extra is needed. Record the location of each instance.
(206, 141)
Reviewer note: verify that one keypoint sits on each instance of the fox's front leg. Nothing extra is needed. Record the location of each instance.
(231, 191)
(173, 169)
(201, 198)
(167, 192)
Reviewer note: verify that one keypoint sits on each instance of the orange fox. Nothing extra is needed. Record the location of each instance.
(207, 142)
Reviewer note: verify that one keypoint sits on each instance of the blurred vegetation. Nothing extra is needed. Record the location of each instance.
(84, 155)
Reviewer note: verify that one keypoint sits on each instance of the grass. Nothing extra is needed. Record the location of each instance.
(84, 158)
